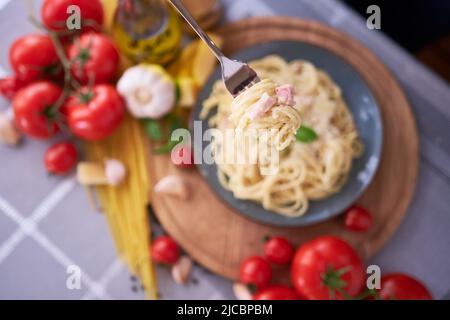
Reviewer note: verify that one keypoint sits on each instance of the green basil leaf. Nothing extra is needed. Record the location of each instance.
(175, 122)
(305, 134)
(153, 129)
(177, 92)
(167, 148)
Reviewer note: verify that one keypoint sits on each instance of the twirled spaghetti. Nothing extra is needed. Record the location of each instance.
(306, 171)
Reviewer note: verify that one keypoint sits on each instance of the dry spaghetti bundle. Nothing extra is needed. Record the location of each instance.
(125, 205)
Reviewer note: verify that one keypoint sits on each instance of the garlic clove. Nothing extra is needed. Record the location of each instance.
(115, 172)
(242, 292)
(173, 185)
(181, 271)
(9, 134)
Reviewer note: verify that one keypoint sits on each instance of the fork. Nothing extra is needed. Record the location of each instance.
(236, 75)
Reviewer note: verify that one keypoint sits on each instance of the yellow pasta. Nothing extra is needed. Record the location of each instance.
(125, 206)
(306, 171)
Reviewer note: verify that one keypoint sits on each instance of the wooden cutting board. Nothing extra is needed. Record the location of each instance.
(218, 238)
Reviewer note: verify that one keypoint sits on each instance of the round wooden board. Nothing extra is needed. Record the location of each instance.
(218, 238)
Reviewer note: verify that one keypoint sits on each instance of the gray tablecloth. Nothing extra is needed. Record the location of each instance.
(46, 224)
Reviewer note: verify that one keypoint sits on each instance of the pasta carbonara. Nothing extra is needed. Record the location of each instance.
(307, 169)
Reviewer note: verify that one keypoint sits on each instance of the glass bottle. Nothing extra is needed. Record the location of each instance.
(147, 30)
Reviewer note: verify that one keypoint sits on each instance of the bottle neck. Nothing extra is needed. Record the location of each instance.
(142, 18)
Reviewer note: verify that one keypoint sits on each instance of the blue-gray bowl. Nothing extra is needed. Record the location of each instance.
(366, 115)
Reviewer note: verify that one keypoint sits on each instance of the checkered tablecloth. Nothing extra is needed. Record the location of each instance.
(46, 224)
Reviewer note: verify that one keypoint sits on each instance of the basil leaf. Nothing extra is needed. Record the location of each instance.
(167, 148)
(153, 129)
(177, 92)
(175, 122)
(305, 134)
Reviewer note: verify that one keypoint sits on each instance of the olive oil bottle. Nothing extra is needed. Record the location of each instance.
(147, 30)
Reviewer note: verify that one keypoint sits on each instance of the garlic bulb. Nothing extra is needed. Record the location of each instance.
(148, 90)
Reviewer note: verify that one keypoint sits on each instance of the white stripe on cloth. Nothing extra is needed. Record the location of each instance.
(42, 210)
(111, 272)
(28, 227)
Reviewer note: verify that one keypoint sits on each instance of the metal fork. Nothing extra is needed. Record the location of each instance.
(236, 75)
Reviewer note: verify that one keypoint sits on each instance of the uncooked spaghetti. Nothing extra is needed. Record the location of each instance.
(125, 206)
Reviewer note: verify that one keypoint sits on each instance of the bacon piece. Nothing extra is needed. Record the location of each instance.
(285, 94)
(261, 106)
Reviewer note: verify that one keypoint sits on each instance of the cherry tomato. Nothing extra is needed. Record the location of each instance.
(34, 57)
(54, 14)
(182, 156)
(278, 250)
(358, 219)
(255, 271)
(9, 87)
(276, 292)
(398, 286)
(35, 110)
(165, 250)
(95, 58)
(60, 158)
(327, 268)
(94, 114)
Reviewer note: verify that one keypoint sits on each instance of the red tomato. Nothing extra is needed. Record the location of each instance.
(165, 250)
(95, 58)
(326, 268)
(60, 158)
(277, 292)
(358, 219)
(399, 286)
(182, 156)
(35, 112)
(94, 114)
(278, 250)
(256, 271)
(34, 57)
(9, 87)
(54, 14)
